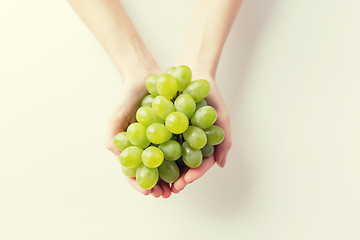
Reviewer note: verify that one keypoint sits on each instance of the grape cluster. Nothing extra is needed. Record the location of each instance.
(174, 129)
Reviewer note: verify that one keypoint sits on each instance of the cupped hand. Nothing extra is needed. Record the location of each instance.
(215, 100)
(131, 95)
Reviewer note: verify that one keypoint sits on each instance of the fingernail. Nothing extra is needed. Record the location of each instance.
(175, 191)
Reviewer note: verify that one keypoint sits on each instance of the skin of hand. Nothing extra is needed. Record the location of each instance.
(215, 100)
(113, 28)
(123, 115)
(209, 28)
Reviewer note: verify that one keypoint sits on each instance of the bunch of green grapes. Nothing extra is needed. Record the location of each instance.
(174, 129)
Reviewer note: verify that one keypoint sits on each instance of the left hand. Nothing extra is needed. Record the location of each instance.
(215, 100)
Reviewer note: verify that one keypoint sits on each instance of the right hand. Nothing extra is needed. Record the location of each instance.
(131, 95)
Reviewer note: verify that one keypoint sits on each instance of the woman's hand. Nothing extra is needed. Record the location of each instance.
(215, 100)
(130, 97)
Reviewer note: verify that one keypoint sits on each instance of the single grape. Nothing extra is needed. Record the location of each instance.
(152, 157)
(204, 117)
(215, 135)
(171, 150)
(198, 89)
(157, 133)
(200, 104)
(147, 101)
(151, 84)
(185, 103)
(166, 86)
(147, 177)
(147, 116)
(169, 171)
(136, 134)
(207, 151)
(177, 122)
(129, 172)
(183, 76)
(192, 157)
(131, 157)
(162, 106)
(195, 136)
(121, 141)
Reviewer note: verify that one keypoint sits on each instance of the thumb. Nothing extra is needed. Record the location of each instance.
(115, 125)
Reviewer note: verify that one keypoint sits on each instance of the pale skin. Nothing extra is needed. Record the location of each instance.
(208, 31)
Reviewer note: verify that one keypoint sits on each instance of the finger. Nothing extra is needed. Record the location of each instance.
(165, 189)
(221, 152)
(173, 189)
(180, 184)
(135, 185)
(117, 123)
(223, 148)
(156, 191)
(195, 173)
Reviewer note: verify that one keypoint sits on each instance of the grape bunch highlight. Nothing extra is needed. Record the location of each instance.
(174, 129)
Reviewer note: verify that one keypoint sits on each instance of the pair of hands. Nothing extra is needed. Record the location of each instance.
(130, 97)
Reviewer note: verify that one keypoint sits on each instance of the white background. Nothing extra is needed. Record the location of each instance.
(289, 73)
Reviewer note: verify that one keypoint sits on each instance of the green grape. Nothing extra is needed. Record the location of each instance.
(207, 151)
(198, 89)
(131, 157)
(166, 86)
(162, 106)
(152, 157)
(200, 104)
(147, 101)
(136, 134)
(147, 116)
(177, 122)
(151, 84)
(215, 135)
(121, 141)
(147, 177)
(157, 133)
(183, 76)
(129, 172)
(204, 117)
(192, 157)
(195, 136)
(185, 103)
(171, 150)
(170, 70)
(169, 171)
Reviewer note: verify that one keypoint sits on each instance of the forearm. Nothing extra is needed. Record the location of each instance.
(209, 29)
(112, 27)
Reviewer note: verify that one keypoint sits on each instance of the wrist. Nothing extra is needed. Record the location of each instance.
(199, 70)
(136, 70)
(200, 64)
